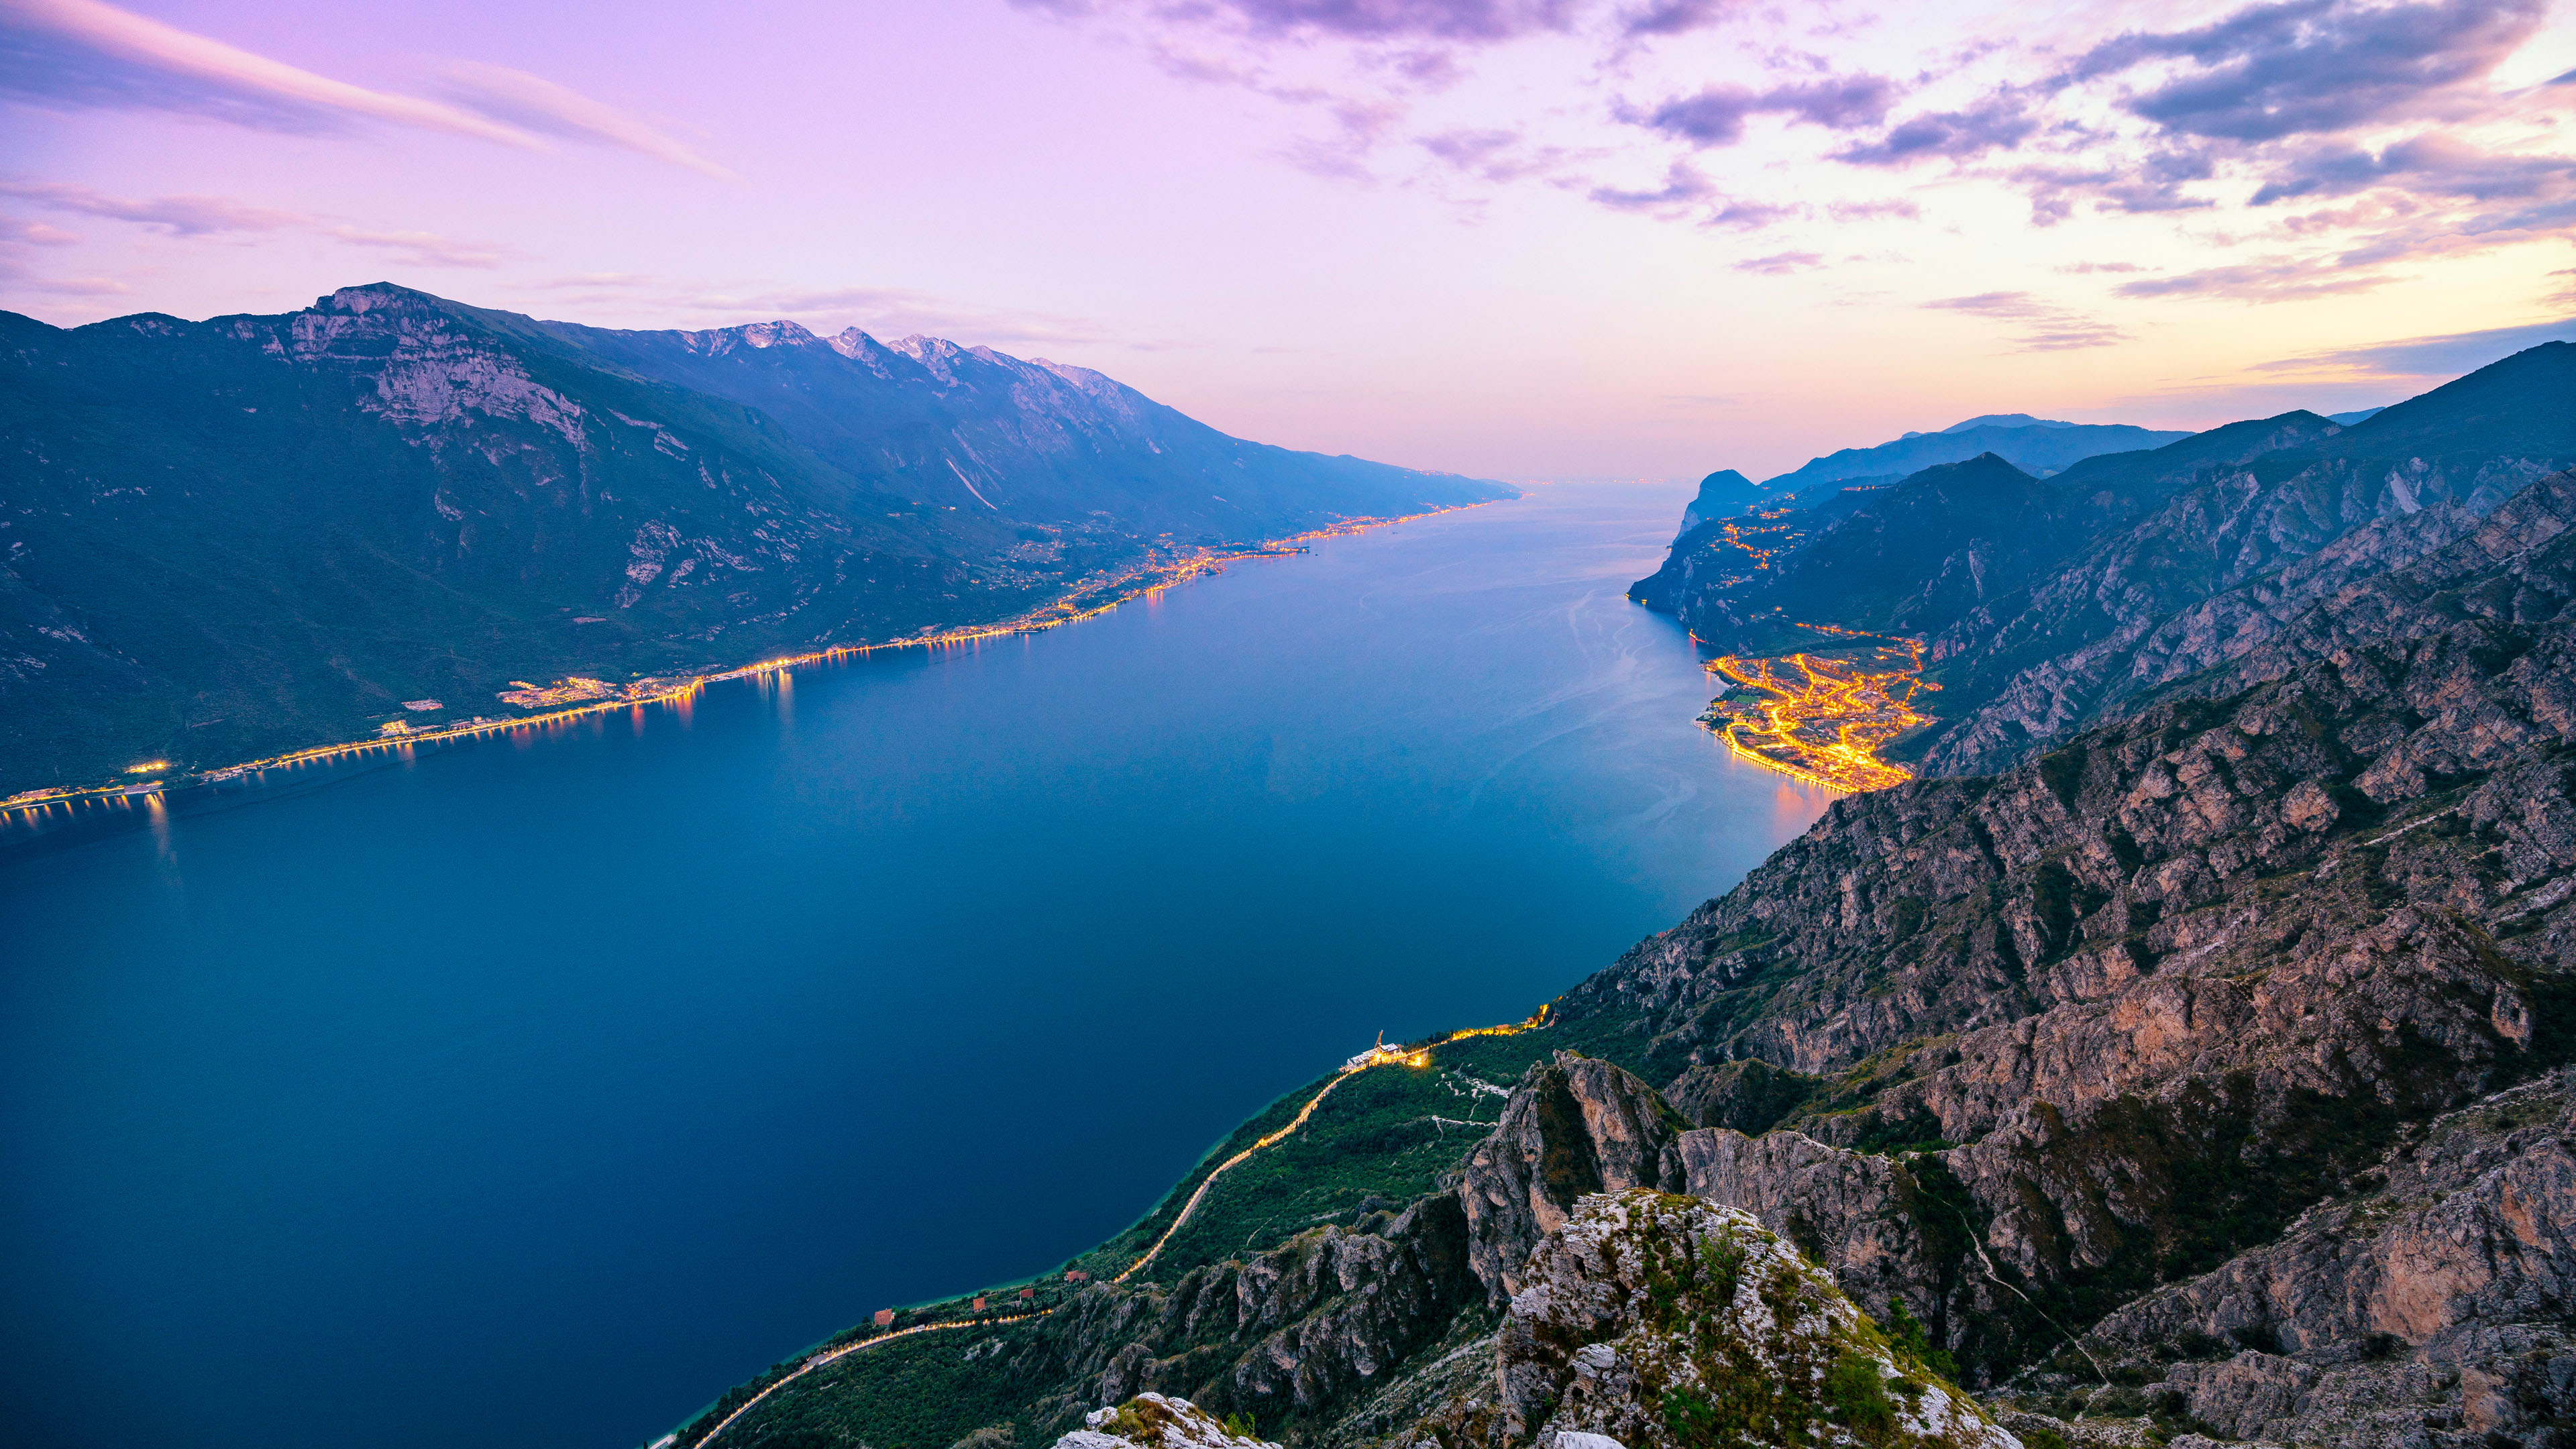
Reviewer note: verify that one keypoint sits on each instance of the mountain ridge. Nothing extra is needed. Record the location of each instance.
(231, 538)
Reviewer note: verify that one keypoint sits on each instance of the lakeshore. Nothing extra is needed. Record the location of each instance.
(1088, 599)
(536, 1091)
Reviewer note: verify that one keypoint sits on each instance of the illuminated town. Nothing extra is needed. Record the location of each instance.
(1823, 716)
(577, 695)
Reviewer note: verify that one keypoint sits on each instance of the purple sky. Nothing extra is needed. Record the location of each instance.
(1516, 238)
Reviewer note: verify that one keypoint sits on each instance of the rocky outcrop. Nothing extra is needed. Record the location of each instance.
(1574, 1126)
(2434, 1301)
(1283, 1336)
(1154, 1421)
(1661, 1321)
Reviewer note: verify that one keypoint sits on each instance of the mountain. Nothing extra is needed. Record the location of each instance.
(1721, 493)
(220, 540)
(2028, 443)
(2126, 571)
(2212, 569)
(2211, 1074)
(2001, 420)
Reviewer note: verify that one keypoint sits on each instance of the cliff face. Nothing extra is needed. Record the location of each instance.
(2127, 574)
(2212, 1073)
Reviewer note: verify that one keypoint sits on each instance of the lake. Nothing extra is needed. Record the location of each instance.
(533, 1091)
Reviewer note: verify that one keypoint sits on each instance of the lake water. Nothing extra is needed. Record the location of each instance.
(531, 1092)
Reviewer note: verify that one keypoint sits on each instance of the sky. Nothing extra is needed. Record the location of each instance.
(1512, 238)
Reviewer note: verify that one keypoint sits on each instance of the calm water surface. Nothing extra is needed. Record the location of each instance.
(529, 1093)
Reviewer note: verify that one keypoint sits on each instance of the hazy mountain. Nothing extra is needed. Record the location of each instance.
(231, 537)
(1721, 493)
(2001, 420)
(2030, 444)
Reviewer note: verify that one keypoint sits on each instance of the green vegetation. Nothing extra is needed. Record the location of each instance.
(925, 1392)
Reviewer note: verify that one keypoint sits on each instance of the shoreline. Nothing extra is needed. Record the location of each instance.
(29, 806)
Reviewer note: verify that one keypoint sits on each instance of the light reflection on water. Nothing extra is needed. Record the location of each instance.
(536, 1092)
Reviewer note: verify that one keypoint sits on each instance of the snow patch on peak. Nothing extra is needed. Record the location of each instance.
(719, 341)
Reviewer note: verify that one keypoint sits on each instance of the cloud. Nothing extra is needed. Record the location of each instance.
(883, 311)
(2139, 188)
(1999, 122)
(1741, 215)
(1716, 115)
(420, 248)
(197, 216)
(536, 104)
(2277, 280)
(2051, 328)
(35, 233)
(2087, 268)
(1781, 264)
(1683, 185)
(1677, 17)
(2442, 357)
(1468, 20)
(2305, 66)
(174, 215)
(2433, 164)
(86, 53)
(1851, 211)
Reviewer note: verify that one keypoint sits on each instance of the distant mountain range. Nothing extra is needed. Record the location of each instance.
(232, 537)
(2038, 446)
(2045, 601)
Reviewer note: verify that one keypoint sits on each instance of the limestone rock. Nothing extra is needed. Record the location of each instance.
(1659, 1320)
(1572, 1126)
(1153, 1421)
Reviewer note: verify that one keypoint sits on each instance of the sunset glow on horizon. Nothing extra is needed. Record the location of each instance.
(1511, 238)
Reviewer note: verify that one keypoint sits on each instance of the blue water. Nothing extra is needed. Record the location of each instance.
(531, 1092)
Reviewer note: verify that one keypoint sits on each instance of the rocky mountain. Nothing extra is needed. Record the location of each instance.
(2208, 1077)
(223, 539)
(2126, 572)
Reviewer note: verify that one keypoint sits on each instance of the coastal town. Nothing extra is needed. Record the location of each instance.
(1824, 715)
(1160, 568)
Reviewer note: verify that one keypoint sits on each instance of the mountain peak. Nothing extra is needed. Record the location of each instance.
(2005, 420)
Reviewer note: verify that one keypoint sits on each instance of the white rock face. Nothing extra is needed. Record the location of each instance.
(1655, 1321)
(1153, 1421)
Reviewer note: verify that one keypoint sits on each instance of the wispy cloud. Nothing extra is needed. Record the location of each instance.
(536, 104)
(881, 311)
(2281, 279)
(2048, 326)
(2414, 360)
(1781, 264)
(86, 53)
(203, 216)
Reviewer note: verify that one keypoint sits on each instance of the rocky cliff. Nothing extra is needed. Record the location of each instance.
(2209, 1076)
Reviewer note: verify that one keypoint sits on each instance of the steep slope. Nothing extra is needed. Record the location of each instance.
(2226, 561)
(1912, 559)
(1721, 493)
(1717, 588)
(1037, 441)
(228, 538)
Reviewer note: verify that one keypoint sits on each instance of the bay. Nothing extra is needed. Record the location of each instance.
(531, 1092)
